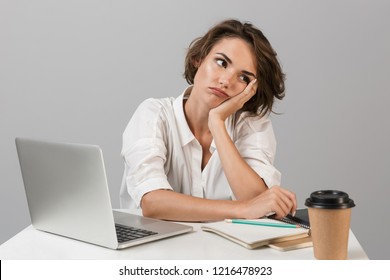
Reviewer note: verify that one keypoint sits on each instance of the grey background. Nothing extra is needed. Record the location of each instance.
(76, 70)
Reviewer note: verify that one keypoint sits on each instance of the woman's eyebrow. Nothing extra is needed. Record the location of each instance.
(249, 74)
(230, 61)
(225, 57)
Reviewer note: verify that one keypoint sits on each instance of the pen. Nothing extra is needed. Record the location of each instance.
(256, 223)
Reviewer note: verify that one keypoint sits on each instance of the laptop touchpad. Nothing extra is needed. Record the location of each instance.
(130, 219)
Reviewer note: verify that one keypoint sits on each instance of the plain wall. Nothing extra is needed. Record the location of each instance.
(75, 71)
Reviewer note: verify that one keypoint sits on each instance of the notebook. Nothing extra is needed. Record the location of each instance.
(67, 194)
(300, 218)
(292, 244)
(253, 236)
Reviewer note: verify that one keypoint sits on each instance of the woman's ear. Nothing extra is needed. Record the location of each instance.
(196, 63)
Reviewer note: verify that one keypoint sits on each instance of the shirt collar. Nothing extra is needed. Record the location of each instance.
(185, 132)
(186, 135)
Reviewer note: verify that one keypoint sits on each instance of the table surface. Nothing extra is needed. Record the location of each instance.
(196, 245)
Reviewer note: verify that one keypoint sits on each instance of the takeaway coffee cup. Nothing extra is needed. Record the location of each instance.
(330, 216)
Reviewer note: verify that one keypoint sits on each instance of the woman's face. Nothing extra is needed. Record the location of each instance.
(225, 71)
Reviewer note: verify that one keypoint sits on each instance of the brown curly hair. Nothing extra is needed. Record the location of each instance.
(269, 72)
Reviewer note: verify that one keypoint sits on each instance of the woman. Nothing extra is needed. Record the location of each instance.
(208, 154)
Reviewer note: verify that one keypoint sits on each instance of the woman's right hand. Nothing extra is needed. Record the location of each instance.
(274, 200)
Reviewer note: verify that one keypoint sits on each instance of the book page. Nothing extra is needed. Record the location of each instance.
(251, 234)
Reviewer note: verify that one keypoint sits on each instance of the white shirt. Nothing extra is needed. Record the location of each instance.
(160, 152)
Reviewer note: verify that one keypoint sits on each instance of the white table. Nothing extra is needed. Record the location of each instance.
(196, 245)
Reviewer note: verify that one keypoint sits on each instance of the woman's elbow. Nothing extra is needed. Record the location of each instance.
(148, 206)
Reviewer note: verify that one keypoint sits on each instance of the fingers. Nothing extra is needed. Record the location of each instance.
(251, 88)
(288, 198)
(236, 102)
(276, 199)
(284, 201)
(249, 91)
(241, 98)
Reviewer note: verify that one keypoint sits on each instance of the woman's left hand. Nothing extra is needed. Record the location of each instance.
(233, 104)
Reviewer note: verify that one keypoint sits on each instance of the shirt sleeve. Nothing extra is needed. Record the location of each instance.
(144, 154)
(255, 140)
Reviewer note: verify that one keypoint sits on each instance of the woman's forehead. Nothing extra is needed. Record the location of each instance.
(239, 51)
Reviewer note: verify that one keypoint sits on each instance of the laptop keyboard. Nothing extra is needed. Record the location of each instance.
(125, 233)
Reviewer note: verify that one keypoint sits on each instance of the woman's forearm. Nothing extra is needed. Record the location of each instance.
(243, 180)
(170, 205)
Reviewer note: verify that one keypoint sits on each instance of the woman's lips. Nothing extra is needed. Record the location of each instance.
(219, 92)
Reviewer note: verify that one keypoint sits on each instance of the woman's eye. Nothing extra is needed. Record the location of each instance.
(221, 62)
(245, 79)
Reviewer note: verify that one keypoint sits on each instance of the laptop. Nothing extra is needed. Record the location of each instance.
(67, 194)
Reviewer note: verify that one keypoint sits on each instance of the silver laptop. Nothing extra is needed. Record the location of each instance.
(68, 195)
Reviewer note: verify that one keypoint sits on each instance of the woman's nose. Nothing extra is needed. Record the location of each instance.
(225, 79)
